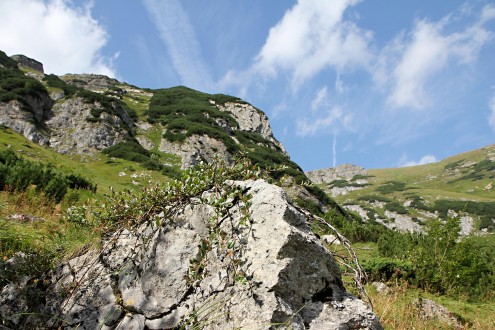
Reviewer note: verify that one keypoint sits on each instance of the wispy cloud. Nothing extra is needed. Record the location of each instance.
(411, 60)
(491, 118)
(427, 159)
(311, 37)
(320, 99)
(335, 119)
(66, 39)
(177, 33)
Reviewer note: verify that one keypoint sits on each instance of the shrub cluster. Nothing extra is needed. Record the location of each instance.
(131, 150)
(184, 112)
(18, 174)
(391, 186)
(437, 261)
(14, 85)
(108, 102)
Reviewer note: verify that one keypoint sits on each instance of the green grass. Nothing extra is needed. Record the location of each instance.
(447, 180)
(98, 167)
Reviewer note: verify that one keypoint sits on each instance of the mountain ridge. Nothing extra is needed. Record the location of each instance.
(405, 198)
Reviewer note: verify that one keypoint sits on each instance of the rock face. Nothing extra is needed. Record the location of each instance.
(28, 62)
(262, 271)
(251, 120)
(71, 132)
(94, 82)
(198, 148)
(345, 171)
(428, 309)
(14, 116)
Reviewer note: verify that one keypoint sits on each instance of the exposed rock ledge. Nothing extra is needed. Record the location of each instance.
(270, 272)
(344, 171)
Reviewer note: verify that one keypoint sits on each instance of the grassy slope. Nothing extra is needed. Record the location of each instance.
(98, 168)
(433, 181)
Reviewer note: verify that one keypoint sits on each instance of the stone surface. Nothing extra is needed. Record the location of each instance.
(381, 287)
(28, 62)
(345, 171)
(428, 309)
(14, 116)
(197, 148)
(205, 269)
(251, 119)
(71, 132)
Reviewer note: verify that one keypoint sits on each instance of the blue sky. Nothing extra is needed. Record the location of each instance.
(374, 83)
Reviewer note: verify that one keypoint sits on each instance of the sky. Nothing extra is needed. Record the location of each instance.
(376, 83)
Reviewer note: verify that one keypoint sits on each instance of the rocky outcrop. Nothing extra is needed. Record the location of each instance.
(251, 119)
(430, 310)
(197, 148)
(202, 269)
(94, 82)
(345, 171)
(71, 132)
(28, 62)
(14, 115)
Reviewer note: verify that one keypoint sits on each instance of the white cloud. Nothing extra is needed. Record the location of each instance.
(427, 159)
(311, 37)
(491, 118)
(64, 38)
(339, 85)
(411, 64)
(320, 99)
(177, 33)
(333, 121)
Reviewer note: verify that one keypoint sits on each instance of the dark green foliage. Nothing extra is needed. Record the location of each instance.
(454, 165)
(391, 186)
(482, 209)
(185, 112)
(75, 181)
(361, 177)
(339, 183)
(396, 207)
(443, 264)
(6, 61)
(487, 223)
(386, 269)
(374, 198)
(131, 150)
(109, 101)
(18, 174)
(355, 229)
(478, 171)
(55, 82)
(418, 203)
(14, 85)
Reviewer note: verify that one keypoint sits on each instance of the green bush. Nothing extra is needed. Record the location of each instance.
(18, 174)
(14, 85)
(444, 264)
(396, 207)
(355, 229)
(386, 269)
(391, 186)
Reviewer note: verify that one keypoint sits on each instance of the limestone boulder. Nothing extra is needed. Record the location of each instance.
(253, 265)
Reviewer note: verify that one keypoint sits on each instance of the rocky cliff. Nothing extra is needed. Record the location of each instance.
(248, 262)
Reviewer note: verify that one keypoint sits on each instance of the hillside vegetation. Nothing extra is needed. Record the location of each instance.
(57, 205)
(442, 199)
(462, 184)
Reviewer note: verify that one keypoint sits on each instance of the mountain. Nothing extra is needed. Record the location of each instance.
(406, 198)
(132, 208)
(164, 129)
